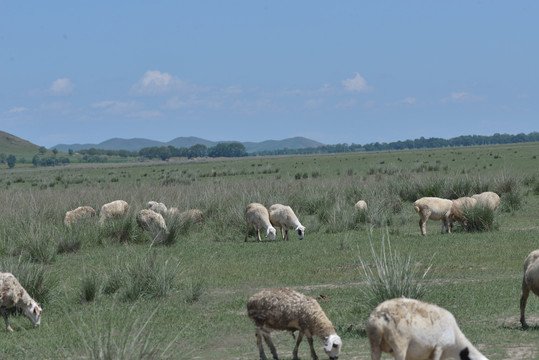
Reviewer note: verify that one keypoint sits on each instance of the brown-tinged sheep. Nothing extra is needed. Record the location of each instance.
(361, 206)
(435, 208)
(115, 209)
(12, 294)
(414, 330)
(82, 212)
(257, 215)
(489, 199)
(151, 221)
(193, 216)
(287, 309)
(158, 207)
(283, 217)
(530, 282)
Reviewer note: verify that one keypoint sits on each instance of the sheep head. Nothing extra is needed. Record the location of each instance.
(271, 232)
(33, 312)
(332, 346)
(301, 231)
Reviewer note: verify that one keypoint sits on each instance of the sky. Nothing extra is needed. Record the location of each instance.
(332, 71)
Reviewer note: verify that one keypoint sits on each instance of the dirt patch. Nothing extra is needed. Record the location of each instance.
(522, 352)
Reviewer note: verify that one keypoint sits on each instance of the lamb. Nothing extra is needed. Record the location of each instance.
(151, 221)
(435, 208)
(286, 309)
(113, 209)
(411, 330)
(282, 216)
(158, 207)
(82, 212)
(361, 206)
(12, 294)
(530, 281)
(257, 215)
(489, 199)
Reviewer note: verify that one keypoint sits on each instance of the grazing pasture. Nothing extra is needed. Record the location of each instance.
(113, 291)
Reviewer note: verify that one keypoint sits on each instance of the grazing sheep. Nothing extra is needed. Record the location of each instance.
(360, 206)
(411, 330)
(113, 209)
(286, 309)
(82, 212)
(158, 207)
(282, 216)
(489, 199)
(462, 204)
(436, 209)
(151, 221)
(257, 215)
(530, 281)
(193, 216)
(12, 294)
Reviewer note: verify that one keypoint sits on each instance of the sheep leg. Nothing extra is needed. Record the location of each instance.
(285, 233)
(296, 348)
(437, 354)
(523, 301)
(313, 353)
(260, 346)
(282, 236)
(4, 314)
(258, 235)
(267, 337)
(423, 227)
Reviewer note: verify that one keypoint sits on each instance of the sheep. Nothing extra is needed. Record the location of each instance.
(462, 204)
(257, 215)
(530, 281)
(287, 309)
(489, 199)
(12, 294)
(151, 221)
(282, 216)
(82, 212)
(361, 206)
(194, 216)
(435, 208)
(158, 207)
(113, 209)
(411, 329)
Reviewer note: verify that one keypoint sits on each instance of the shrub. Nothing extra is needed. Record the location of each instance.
(393, 276)
(89, 287)
(122, 230)
(478, 219)
(511, 201)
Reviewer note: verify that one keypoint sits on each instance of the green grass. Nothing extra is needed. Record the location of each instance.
(188, 298)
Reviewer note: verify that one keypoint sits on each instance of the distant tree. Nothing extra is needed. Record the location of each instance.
(42, 150)
(70, 152)
(198, 150)
(3, 158)
(11, 160)
(35, 160)
(55, 151)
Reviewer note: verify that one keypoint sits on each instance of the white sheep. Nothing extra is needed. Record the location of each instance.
(435, 208)
(12, 294)
(530, 282)
(411, 330)
(286, 309)
(257, 215)
(463, 204)
(283, 217)
(151, 221)
(82, 212)
(117, 208)
(158, 207)
(489, 199)
(361, 206)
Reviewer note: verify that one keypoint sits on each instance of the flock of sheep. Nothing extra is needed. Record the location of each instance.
(407, 328)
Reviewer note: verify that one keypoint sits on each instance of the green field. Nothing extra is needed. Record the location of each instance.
(195, 306)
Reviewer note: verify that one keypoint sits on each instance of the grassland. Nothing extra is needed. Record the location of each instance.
(203, 280)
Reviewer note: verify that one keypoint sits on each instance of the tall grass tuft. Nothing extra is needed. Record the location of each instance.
(392, 275)
(479, 219)
(511, 201)
(124, 335)
(124, 230)
(89, 287)
(34, 278)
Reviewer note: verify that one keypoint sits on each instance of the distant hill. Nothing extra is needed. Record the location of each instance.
(11, 144)
(138, 143)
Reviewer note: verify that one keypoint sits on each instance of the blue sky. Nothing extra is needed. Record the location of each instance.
(336, 72)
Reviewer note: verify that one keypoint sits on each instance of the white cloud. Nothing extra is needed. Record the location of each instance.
(154, 82)
(16, 110)
(313, 103)
(61, 87)
(463, 97)
(347, 104)
(409, 100)
(116, 107)
(146, 114)
(356, 84)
